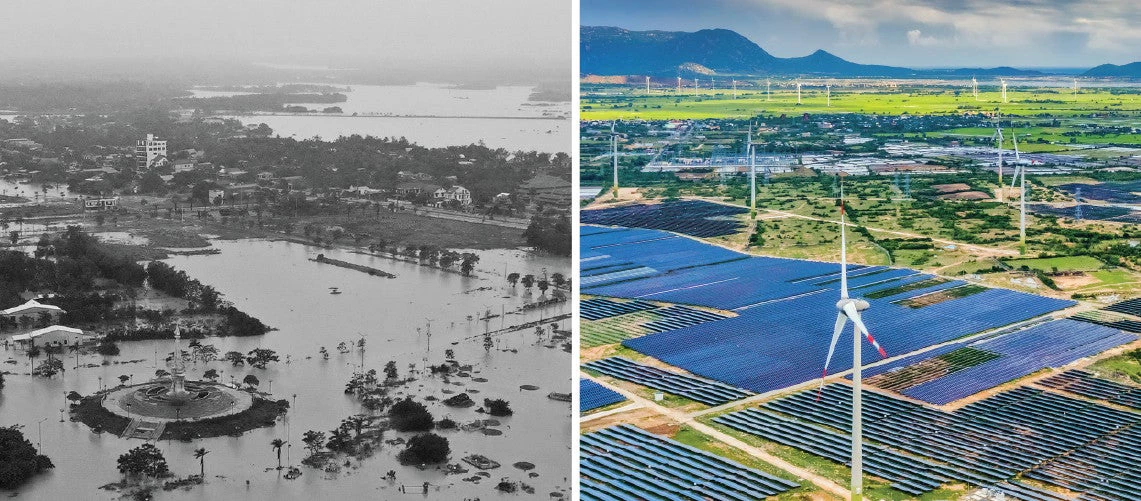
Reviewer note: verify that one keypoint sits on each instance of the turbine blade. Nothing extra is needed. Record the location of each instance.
(850, 311)
(1013, 178)
(840, 321)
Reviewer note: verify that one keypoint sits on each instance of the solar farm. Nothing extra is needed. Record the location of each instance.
(624, 462)
(691, 217)
(749, 334)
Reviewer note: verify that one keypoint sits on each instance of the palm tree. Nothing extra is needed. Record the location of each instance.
(277, 444)
(200, 454)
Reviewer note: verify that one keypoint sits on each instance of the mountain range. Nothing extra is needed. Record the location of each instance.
(607, 50)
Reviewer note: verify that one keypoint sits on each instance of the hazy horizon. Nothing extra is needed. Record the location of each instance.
(463, 41)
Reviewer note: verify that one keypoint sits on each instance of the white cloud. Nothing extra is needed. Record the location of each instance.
(915, 37)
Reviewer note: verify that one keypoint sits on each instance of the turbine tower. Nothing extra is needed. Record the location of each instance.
(1019, 173)
(1003, 90)
(713, 84)
(798, 92)
(679, 85)
(734, 89)
(828, 93)
(647, 86)
(614, 155)
(751, 151)
(696, 85)
(768, 90)
(998, 142)
(1078, 203)
(975, 88)
(849, 309)
(1075, 86)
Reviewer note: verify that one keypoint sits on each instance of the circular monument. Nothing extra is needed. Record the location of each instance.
(177, 399)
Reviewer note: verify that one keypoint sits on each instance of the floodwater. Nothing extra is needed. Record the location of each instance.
(276, 282)
(435, 115)
(34, 191)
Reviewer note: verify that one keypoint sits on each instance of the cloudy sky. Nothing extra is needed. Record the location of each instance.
(914, 33)
(394, 32)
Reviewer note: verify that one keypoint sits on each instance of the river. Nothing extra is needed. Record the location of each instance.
(276, 282)
(432, 115)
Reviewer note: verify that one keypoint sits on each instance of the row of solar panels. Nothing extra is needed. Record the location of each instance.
(691, 217)
(1085, 384)
(626, 463)
(592, 395)
(697, 389)
(1071, 443)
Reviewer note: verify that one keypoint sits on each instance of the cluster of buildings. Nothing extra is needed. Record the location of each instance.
(34, 313)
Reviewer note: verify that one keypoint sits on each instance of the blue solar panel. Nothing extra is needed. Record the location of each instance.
(592, 395)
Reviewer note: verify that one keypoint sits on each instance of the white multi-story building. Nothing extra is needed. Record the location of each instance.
(457, 193)
(148, 150)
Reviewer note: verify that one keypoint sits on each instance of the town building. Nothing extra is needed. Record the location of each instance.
(33, 309)
(457, 193)
(148, 150)
(100, 203)
(546, 190)
(57, 335)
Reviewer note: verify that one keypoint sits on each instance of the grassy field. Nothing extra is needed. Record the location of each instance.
(1065, 263)
(631, 103)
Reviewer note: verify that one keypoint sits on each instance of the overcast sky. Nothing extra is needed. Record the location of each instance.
(385, 31)
(914, 33)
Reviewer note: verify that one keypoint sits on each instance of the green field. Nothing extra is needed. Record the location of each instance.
(1065, 263)
(632, 103)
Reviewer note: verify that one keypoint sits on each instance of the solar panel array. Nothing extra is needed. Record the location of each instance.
(1087, 385)
(677, 317)
(697, 389)
(1128, 307)
(624, 463)
(1080, 445)
(691, 217)
(785, 308)
(1110, 319)
(599, 308)
(1051, 344)
(592, 395)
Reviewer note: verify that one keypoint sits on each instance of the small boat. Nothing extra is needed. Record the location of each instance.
(334, 290)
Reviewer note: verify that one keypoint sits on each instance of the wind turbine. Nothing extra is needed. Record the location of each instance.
(713, 84)
(614, 155)
(797, 92)
(828, 93)
(752, 174)
(975, 88)
(768, 90)
(734, 89)
(998, 141)
(679, 85)
(696, 85)
(647, 86)
(1019, 173)
(849, 309)
(1003, 89)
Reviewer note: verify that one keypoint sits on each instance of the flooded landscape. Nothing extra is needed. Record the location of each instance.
(276, 282)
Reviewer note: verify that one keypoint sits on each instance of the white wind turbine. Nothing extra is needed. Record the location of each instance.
(614, 155)
(1003, 89)
(1019, 173)
(828, 92)
(696, 85)
(998, 141)
(849, 309)
(734, 89)
(749, 150)
(679, 85)
(798, 92)
(975, 88)
(768, 90)
(647, 86)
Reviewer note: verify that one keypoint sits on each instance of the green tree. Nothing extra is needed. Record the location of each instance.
(427, 448)
(314, 441)
(410, 415)
(251, 381)
(260, 357)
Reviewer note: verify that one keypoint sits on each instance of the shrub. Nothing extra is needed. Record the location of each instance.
(410, 415)
(427, 448)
